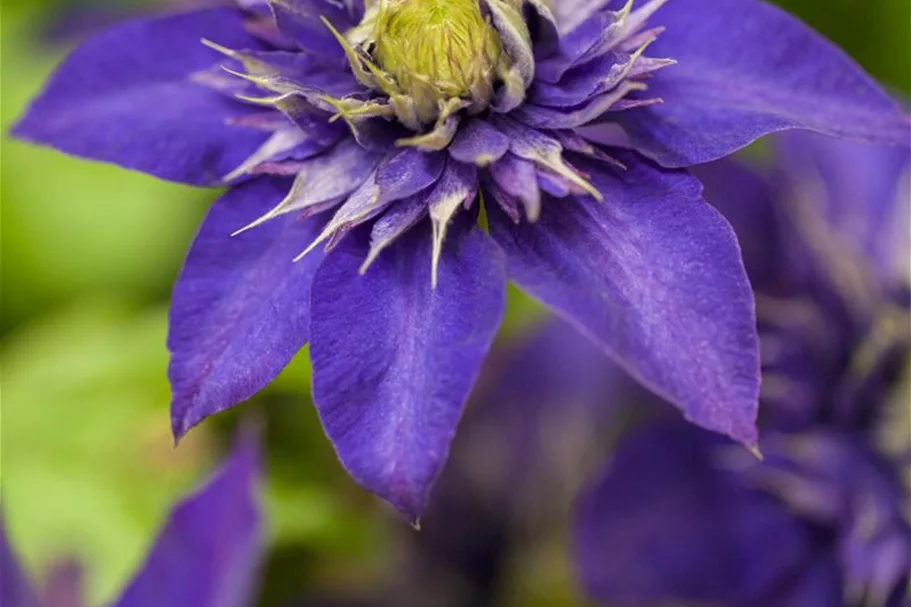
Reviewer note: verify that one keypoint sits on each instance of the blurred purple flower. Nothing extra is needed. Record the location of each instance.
(207, 554)
(652, 274)
(821, 521)
(534, 426)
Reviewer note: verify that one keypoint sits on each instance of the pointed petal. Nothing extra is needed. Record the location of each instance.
(327, 177)
(239, 309)
(519, 179)
(126, 97)
(394, 359)
(508, 203)
(542, 117)
(543, 150)
(746, 69)
(363, 204)
(16, 589)
(479, 143)
(458, 185)
(699, 536)
(208, 553)
(279, 142)
(654, 275)
(593, 37)
(399, 219)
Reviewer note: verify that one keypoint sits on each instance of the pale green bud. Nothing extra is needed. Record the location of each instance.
(437, 50)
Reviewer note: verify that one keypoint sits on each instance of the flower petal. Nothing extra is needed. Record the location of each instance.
(654, 275)
(519, 179)
(239, 309)
(323, 179)
(16, 589)
(208, 553)
(299, 20)
(126, 96)
(746, 198)
(409, 172)
(394, 359)
(697, 535)
(479, 143)
(396, 221)
(746, 69)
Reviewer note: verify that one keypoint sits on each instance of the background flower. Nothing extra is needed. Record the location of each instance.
(822, 520)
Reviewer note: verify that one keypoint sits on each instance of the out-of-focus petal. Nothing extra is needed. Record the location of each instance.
(696, 534)
(208, 553)
(865, 192)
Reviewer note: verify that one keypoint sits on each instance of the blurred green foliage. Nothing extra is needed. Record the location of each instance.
(89, 253)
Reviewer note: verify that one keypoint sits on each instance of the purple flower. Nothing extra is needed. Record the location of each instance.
(821, 521)
(207, 554)
(403, 119)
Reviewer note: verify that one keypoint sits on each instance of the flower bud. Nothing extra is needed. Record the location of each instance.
(436, 50)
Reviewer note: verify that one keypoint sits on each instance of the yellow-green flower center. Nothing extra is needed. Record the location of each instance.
(436, 50)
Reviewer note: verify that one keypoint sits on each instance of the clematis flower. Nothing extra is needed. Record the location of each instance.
(366, 145)
(207, 554)
(822, 520)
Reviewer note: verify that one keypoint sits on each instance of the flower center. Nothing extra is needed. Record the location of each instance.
(438, 50)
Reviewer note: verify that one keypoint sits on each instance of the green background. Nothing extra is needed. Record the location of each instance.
(88, 256)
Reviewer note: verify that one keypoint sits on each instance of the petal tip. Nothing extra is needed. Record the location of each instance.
(755, 452)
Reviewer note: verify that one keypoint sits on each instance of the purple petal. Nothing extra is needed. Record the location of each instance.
(694, 535)
(747, 200)
(208, 553)
(126, 97)
(519, 179)
(863, 192)
(478, 143)
(396, 221)
(312, 73)
(16, 589)
(323, 181)
(239, 310)
(394, 359)
(820, 584)
(594, 78)
(653, 274)
(568, 118)
(746, 69)
(409, 172)
(299, 20)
